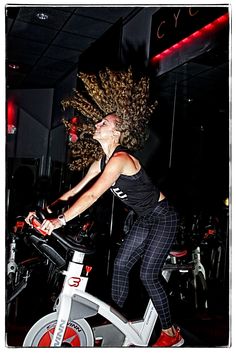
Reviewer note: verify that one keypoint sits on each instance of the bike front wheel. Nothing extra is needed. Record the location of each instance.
(78, 333)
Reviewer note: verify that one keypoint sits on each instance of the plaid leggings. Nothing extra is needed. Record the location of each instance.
(150, 237)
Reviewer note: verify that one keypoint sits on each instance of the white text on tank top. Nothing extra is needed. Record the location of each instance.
(119, 193)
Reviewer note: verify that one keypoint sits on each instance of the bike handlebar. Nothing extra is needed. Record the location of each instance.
(42, 246)
(65, 240)
(71, 244)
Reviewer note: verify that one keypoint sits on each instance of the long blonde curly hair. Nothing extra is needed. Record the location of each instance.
(107, 92)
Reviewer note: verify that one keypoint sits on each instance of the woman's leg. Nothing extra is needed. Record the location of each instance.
(129, 253)
(159, 241)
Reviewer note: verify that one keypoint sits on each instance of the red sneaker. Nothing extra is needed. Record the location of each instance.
(169, 341)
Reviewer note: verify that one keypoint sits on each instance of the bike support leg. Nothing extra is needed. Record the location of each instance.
(63, 316)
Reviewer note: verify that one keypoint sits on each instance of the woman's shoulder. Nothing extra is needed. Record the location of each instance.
(130, 164)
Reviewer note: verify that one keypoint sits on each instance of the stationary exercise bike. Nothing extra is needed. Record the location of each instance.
(68, 325)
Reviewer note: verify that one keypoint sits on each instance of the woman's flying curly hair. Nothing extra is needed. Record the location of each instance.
(107, 92)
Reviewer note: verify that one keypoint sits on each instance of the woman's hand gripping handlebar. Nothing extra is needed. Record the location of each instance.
(45, 226)
(38, 221)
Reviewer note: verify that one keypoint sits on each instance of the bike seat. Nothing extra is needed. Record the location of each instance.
(178, 254)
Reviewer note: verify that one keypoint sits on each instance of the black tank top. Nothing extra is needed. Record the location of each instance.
(136, 191)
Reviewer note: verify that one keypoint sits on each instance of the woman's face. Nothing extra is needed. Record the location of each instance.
(106, 128)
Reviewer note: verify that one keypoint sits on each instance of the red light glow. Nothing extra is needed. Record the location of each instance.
(211, 26)
(222, 19)
(185, 40)
(208, 27)
(74, 120)
(196, 34)
(175, 46)
(11, 113)
(11, 117)
(166, 51)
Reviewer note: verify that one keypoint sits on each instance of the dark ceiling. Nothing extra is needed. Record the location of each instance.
(41, 51)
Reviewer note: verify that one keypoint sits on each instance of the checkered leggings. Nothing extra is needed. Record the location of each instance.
(150, 237)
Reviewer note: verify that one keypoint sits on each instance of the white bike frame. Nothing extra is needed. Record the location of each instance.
(135, 333)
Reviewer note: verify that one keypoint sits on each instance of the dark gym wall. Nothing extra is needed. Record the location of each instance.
(34, 114)
(58, 145)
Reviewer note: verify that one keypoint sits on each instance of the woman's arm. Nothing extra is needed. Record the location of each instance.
(110, 174)
(93, 171)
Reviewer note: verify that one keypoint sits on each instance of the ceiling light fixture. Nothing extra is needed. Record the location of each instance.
(189, 100)
(208, 28)
(14, 66)
(42, 16)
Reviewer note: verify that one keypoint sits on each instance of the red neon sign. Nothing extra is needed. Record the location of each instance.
(209, 27)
